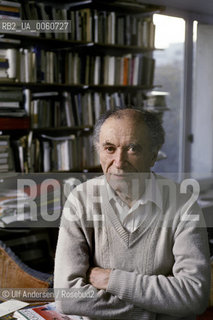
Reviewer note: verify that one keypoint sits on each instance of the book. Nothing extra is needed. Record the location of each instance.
(7, 123)
(148, 65)
(9, 104)
(156, 101)
(44, 94)
(47, 312)
(3, 160)
(3, 74)
(11, 13)
(3, 154)
(7, 16)
(11, 112)
(125, 68)
(68, 109)
(4, 140)
(97, 67)
(9, 40)
(13, 94)
(42, 15)
(10, 3)
(4, 64)
(4, 167)
(111, 28)
(111, 71)
(120, 30)
(46, 156)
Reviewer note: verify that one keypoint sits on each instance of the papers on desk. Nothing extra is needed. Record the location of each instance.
(11, 306)
(45, 312)
(10, 200)
(19, 208)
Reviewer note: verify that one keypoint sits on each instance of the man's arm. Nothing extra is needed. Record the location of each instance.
(71, 268)
(185, 292)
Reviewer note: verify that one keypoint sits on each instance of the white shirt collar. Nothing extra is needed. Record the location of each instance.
(152, 193)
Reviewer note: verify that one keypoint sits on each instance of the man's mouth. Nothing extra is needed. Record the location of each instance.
(120, 175)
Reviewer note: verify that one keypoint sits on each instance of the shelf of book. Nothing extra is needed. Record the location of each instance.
(76, 88)
(17, 40)
(92, 169)
(69, 79)
(120, 6)
(58, 130)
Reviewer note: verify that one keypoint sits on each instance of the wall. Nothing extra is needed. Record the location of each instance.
(202, 124)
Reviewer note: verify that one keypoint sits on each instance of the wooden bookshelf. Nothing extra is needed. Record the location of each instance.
(27, 40)
(119, 6)
(56, 131)
(77, 104)
(108, 38)
(36, 87)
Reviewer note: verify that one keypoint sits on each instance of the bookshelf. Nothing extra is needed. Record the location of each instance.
(69, 79)
(62, 83)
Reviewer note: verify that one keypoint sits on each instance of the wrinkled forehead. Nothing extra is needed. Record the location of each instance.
(131, 125)
(133, 114)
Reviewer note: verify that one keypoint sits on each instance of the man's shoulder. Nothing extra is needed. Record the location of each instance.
(178, 193)
(163, 181)
(84, 202)
(91, 182)
(178, 187)
(89, 187)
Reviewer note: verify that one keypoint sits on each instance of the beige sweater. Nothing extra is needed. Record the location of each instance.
(160, 271)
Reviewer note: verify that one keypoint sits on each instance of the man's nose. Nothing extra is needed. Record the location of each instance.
(119, 158)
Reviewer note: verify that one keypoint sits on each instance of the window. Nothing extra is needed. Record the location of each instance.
(169, 73)
(202, 129)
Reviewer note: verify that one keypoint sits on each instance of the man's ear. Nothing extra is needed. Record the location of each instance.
(154, 157)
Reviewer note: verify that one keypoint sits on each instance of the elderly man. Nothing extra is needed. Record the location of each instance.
(133, 239)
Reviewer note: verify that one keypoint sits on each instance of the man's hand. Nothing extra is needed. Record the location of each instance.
(99, 277)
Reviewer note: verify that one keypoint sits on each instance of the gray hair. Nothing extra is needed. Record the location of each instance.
(151, 119)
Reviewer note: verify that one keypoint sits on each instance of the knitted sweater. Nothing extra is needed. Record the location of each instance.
(160, 271)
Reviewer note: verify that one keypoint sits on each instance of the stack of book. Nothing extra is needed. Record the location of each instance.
(20, 148)
(4, 65)
(130, 69)
(37, 204)
(33, 10)
(4, 153)
(52, 110)
(115, 28)
(9, 62)
(10, 10)
(47, 110)
(11, 102)
(97, 26)
(38, 65)
(156, 101)
(10, 202)
(64, 153)
(55, 110)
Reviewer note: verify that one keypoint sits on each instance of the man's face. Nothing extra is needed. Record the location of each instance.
(125, 148)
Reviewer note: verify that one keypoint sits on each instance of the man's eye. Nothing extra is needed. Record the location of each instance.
(133, 149)
(110, 149)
